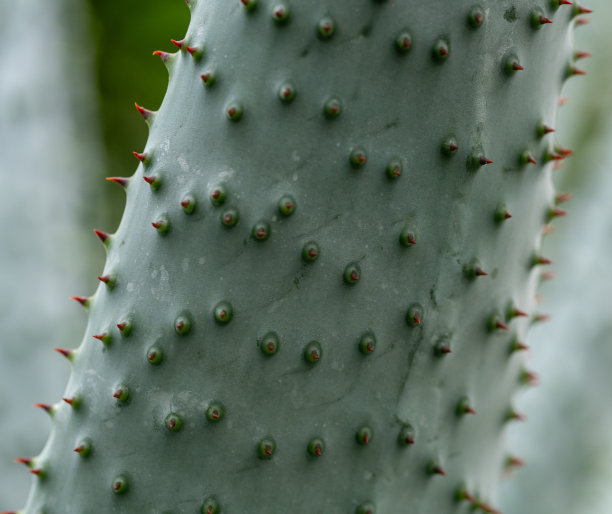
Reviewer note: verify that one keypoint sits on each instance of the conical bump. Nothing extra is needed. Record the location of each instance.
(316, 447)
(313, 352)
(266, 448)
(364, 435)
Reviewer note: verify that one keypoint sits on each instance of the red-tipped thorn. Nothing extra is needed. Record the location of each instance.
(37, 471)
(531, 159)
(178, 44)
(575, 71)
(122, 181)
(555, 212)
(142, 157)
(24, 460)
(83, 300)
(538, 259)
(518, 346)
(192, 49)
(544, 20)
(564, 2)
(518, 416)
(102, 235)
(71, 401)
(104, 337)
(566, 152)
(44, 406)
(417, 318)
(479, 272)
(66, 353)
(529, 378)
(438, 470)
(80, 448)
(105, 278)
(164, 56)
(581, 55)
(145, 113)
(546, 129)
(515, 313)
(483, 160)
(516, 66)
(502, 326)
(150, 180)
(562, 197)
(582, 21)
(579, 9)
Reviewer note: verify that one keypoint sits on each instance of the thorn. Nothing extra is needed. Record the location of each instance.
(547, 275)
(528, 378)
(540, 318)
(463, 494)
(544, 129)
(552, 156)
(83, 300)
(538, 259)
(483, 160)
(501, 325)
(145, 113)
(164, 56)
(178, 44)
(73, 402)
(572, 70)
(564, 2)
(122, 181)
(66, 353)
(566, 152)
(555, 212)
(581, 55)
(208, 78)
(479, 272)
(518, 416)
(104, 337)
(104, 237)
(543, 20)
(109, 280)
(45, 406)
(154, 181)
(464, 407)
(142, 157)
(582, 21)
(193, 50)
(562, 197)
(515, 313)
(24, 460)
(531, 159)
(80, 448)
(517, 67)
(37, 471)
(517, 346)
(416, 318)
(579, 9)
(501, 214)
(436, 469)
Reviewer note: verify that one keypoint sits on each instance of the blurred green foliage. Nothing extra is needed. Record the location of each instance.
(125, 35)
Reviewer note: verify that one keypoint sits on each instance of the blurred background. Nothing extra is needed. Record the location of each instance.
(70, 71)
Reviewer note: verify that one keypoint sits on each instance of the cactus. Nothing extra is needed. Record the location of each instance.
(317, 296)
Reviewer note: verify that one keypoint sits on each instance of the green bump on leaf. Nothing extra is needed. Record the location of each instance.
(218, 195)
(313, 352)
(209, 77)
(250, 5)
(407, 237)
(286, 205)
(182, 324)
(266, 448)
(261, 230)
(125, 326)
(352, 273)
(358, 157)
(215, 412)
(121, 393)
(280, 13)
(269, 344)
(210, 504)
(234, 111)
(449, 146)
(155, 355)
(403, 42)
(393, 169)
(415, 315)
(332, 108)
(316, 447)
(326, 27)
(173, 422)
(229, 217)
(364, 435)
(476, 17)
(287, 92)
(441, 50)
(120, 484)
(84, 447)
(188, 203)
(223, 313)
(367, 343)
(311, 251)
(162, 224)
(406, 436)
(366, 508)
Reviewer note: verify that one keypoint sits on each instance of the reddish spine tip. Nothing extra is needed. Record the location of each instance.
(145, 113)
(44, 406)
(517, 67)
(483, 160)
(501, 325)
(24, 460)
(576, 71)
(544, 20)
(479, 272)
(417, 318)
(547, 130)
(37, 471)
(162, 55)
(581, 55)
(122, 181)
(437, 469)
(80, 448)
(70, 401)
(83, 300)
(104, 278)
(140, 156)
(531, 159)
(102, 235)
(64, 352)
(178, 44)
(149, 180)
(582, 10)
(563, 197)
(192, 50)
(100, 337)
(518, 312)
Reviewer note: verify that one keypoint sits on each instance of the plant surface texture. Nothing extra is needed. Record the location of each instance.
(317, 297)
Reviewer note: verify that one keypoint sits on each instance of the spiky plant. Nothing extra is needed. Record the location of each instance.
(318, 293)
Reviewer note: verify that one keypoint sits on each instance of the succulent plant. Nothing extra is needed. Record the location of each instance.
(316, 297)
